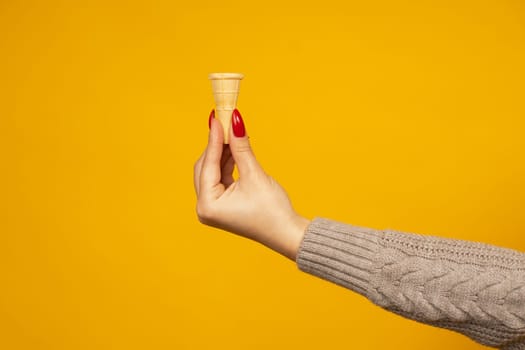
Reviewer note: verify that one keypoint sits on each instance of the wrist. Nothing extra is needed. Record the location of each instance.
(295, 236)
(285, 236)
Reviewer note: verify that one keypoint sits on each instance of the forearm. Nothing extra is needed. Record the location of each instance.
(472, 288)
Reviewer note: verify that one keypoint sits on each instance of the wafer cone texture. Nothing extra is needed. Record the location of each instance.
(225, 91)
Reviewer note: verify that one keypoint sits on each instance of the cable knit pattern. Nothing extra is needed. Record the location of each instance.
(472, 288)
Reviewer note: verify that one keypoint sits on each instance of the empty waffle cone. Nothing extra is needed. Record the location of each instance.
(225, 91)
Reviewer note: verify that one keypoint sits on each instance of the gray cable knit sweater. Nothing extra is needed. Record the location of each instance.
(472, 288)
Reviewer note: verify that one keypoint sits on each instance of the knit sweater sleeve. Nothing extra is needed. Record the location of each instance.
(472, 288)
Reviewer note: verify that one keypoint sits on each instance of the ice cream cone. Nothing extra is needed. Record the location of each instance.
(225, 91)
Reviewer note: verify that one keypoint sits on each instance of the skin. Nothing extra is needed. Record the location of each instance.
(253, 206)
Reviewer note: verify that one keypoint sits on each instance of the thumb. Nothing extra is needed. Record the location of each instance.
(240, 146)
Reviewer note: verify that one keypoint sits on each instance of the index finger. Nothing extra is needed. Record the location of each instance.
(197, 168)
(210, 175)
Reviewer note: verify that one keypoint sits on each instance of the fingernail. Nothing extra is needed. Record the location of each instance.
(212, 115)
(238, 124)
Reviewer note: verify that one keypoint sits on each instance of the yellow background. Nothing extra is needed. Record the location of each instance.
(404, 115)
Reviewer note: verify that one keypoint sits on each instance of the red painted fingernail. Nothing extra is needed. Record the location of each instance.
(212, 115)
(237, 124)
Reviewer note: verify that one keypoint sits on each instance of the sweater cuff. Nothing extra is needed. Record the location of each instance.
(340, 253)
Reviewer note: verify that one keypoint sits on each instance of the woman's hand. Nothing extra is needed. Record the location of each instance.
(254, 206)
